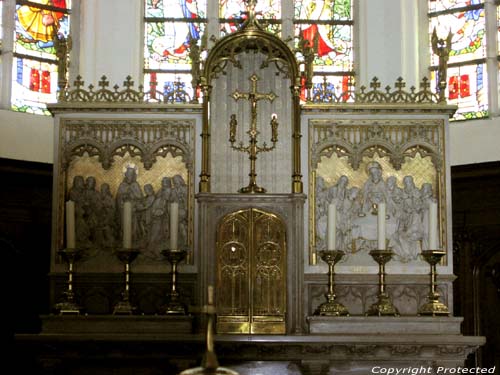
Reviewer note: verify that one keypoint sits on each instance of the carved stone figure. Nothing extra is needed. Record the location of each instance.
(129, 190)
(374, 189)
(180, 195)
(106, 218)
(160, 219)
(77, 194)
(406, 240)
(427, 197)
(92, 207)
(145, 214)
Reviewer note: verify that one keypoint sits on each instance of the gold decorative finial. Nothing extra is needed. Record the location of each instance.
(442, 48)
(251, 20)
(63, 47)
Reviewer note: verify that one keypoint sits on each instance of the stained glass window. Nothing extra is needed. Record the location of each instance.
(170, 26)
(34, 69)
(231, 15)
(328, 25)
(467, 84)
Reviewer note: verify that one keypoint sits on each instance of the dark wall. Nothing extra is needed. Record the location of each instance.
(476, 240)
(25, 231)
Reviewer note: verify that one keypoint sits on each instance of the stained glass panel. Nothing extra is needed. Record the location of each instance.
(175, 87)
(36, 27)
(167, 44)
(323, 10)
(324, 87)
(34, 84)
(335, 52)
(187, 9)
(443, 5)
(468, 29)
(34, 68)
(467, 87)
(266, 9)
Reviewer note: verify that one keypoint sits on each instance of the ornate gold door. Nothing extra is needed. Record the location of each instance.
(251, 273)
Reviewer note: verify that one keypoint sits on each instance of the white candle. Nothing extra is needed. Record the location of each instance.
(381, 226)
(174, 224)
(210, 294)
(331, 228)
(70, 225)
(127, 225)
(433, 237)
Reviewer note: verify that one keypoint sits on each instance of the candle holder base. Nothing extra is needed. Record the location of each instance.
(331, 307)
(433, 307)
(68, 306)
(174, 305)
(124, 307)
(252, 189)
(383, 307)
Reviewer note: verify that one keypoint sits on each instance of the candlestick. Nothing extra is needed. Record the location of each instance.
(70, 225)
(174, 224)
(433, 237)
(381, 226)
(331, 231)
(383, 306)
(127, 225)
(433, 307)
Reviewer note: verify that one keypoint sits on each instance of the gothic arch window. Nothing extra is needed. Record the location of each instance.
(170, 24)
(29, 58)
(472, 74)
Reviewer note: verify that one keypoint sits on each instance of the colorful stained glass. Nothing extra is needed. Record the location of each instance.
(36, 27)
(34, 66)
(467, 87)
(179, 9)
(266, 9)
(468, 29)
(334, 52)
(331, 89)
(444, 5)
(34, 84)
(231, 11)
(326, 10)
(167, 44)
(173, 87)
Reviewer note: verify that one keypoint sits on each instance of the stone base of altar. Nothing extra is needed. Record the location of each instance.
(321, 354)
(373, 325)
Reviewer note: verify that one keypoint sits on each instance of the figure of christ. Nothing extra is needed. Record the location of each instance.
(129, 190)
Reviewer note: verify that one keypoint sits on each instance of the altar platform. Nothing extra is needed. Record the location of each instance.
(148, 345)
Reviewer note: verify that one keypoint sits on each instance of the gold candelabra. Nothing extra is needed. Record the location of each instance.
(383, 306)
(433, 307)
(124, 307)
(68, 304)
(331, 307)
(252, 149)
(174, 305)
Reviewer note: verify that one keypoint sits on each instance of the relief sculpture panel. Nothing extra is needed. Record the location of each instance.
(356, 167)
(105, 163)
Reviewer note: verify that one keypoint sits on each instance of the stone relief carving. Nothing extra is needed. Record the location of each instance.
(358, 164)
(106, 162)
(98, 215)
(407, 222)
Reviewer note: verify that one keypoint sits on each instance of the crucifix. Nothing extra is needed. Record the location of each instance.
(252, 149)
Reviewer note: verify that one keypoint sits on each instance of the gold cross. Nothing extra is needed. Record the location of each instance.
(253, 96)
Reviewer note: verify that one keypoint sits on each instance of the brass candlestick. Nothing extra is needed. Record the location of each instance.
(331, 307)
(174, 305)
(383, 306)
(252, 149)
(68, 304)
(433, 307)
(124, 307)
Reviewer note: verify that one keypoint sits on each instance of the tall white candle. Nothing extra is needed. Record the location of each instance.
(331, 228)
(127, 225)
(433, 236)
(70, 225)
(174, 224)
(210, 294)
(381, 226)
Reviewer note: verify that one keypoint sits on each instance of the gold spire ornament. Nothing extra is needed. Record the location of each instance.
(252, 149)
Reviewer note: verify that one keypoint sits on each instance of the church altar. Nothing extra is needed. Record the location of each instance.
(146, 219)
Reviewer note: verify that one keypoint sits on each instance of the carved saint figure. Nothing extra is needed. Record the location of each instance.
(77, 194)
(374, 189)
(106, 218)
(129, 190)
